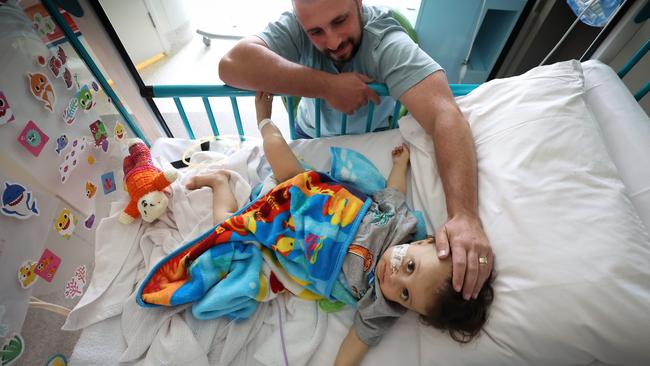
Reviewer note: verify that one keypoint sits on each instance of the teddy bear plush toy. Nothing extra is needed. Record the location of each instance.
(145, 184)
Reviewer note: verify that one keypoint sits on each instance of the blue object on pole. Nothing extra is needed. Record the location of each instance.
(598, 12)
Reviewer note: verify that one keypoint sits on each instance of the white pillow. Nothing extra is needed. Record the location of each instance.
(572, 256)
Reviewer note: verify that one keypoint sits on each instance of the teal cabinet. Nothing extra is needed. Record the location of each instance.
(450, 30)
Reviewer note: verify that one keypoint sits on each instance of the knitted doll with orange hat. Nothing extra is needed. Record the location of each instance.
(145, 184)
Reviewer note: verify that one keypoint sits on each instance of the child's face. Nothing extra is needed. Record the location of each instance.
(413, 281)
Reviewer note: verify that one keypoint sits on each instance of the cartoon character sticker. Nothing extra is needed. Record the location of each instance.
(119, 131)
(33, 138)
(18, 202)
(90, 190)
(47, 265)
(61, 143)
(85, 98)
(99, 134)
(27, 274)
(6, 115)
(72, 158)
(12, 349)
(65, 223)
(108, 182)
(42, 89)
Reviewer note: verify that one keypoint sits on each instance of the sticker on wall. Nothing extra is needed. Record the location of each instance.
(89, 221)
(108, 182)
(98, 129)
(48, 265)
(43, 24)
(70, 112)
(61, 143)
(91, 189)
(42, 89)
(33, 138)
(119, 131)
(27, 274)
(55, 65)
(75, 286)
(67, 78)
(90, 159)
(85, 98)
(57, 360)
(60, 53)
(18, 202)
(72, 158)
(65, 223)
(6, 115)
(11, 350)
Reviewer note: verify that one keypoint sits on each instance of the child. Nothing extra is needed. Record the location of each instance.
(385, 276)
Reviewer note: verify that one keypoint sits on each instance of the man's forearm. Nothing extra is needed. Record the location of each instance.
(456, 160)
(252, 65)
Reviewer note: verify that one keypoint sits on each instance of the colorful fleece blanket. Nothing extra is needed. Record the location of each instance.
(307, 222)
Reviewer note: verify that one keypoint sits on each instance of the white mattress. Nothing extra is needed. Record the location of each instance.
(626, 130)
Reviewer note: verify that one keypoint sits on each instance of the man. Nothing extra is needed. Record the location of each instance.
(331, 49)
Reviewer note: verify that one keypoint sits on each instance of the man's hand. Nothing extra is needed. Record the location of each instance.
(472, 257)
(349, 91)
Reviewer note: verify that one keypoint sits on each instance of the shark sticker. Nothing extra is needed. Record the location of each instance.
(6, 115)
(65, 223)
(18, 202)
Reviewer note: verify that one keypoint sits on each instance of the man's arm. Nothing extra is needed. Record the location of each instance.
(352, 350)
(252, 65)
(433, 106)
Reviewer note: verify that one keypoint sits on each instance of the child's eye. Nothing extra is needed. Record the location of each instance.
(410, 266)
(405, 294)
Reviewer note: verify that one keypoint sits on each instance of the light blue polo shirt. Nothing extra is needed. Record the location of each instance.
(386, 54)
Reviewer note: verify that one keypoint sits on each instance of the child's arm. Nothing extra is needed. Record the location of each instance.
(397, 176)
(284, 163)
(352, 350)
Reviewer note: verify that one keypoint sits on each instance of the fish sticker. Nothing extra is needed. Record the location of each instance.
(6, 115)
(42, 89)
(119, 131)
(65, 223)
(12, 350)
(61, 143)
(98, 129)
(48, 265)
(33, 138)
(27, 274)
(91, 189)
(72, 158)
(18, 202)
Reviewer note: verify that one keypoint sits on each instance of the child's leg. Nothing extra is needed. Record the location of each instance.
(284, 163)
(223, 199)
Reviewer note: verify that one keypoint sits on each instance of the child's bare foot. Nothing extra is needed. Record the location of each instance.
(208, 180)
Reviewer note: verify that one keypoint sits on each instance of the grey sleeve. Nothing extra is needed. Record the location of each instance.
(374, 317)
(401, 63)
(284, 37)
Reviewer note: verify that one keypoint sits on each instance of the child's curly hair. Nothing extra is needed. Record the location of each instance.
(463, 319)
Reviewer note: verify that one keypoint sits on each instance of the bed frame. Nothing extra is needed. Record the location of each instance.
(176, 92)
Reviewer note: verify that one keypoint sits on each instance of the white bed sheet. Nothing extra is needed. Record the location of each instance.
(99, 344)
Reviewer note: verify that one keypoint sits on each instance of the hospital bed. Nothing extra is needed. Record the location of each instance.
(564, 196)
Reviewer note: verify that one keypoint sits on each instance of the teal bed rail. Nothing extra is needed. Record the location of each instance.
(176, 92)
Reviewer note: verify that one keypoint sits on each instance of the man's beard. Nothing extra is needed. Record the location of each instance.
(355, 45)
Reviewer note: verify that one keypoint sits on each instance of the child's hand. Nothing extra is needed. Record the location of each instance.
(208, 180)
(263, 105)
(400, 155)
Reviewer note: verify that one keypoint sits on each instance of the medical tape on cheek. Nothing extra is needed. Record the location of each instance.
(396, 257)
